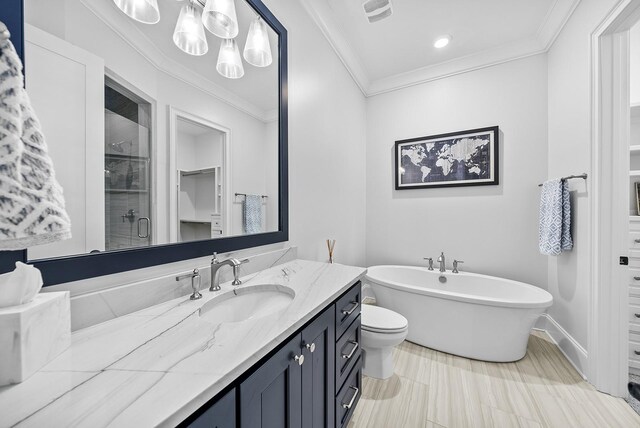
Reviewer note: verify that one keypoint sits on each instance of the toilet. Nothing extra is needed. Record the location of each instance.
(382, 329)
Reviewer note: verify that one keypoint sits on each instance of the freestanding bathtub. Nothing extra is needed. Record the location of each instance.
(467, 314)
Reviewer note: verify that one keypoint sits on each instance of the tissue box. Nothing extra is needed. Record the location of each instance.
(33, 334)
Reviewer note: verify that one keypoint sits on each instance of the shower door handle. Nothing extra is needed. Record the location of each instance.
(148, 227)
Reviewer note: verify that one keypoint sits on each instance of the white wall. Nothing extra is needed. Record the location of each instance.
(569, 152)
(327, 146)
(634, 45)
(494, 229)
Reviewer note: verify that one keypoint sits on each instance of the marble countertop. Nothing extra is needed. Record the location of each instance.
(157, 366)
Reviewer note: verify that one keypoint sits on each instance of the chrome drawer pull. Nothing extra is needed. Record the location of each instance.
(311, 347)
(299, 359)
(637, 241)
(353, 350)
(636, 352)
(353, 308)
(637, 278)
(637, 315)
(353, 399)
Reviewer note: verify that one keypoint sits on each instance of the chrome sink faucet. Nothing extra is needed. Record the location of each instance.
(441, 260)
(216, 265)
(195, 283)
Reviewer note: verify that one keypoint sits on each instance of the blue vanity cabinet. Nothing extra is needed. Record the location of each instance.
(312, 380)
(271, 397)
(318, 372)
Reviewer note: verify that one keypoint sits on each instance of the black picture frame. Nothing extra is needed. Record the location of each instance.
(450, 172)
(73, 268)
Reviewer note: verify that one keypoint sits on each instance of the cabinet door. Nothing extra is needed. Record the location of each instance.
(318, 385)
(222, 414)
(271, 396)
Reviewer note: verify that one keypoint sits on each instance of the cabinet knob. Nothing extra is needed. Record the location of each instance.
(311, 347)
(637, 241)
(299, 359)
(637, 315)
(636, 352)
(637, 278)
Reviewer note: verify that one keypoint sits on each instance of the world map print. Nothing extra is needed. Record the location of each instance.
(446, 160)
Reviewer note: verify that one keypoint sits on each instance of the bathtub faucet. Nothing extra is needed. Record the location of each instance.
(442, 263)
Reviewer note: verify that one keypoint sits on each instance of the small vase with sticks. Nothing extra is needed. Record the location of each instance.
(330, 246)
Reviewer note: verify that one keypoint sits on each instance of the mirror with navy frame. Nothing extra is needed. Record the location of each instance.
(168, 131)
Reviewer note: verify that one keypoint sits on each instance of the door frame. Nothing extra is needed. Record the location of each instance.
(608, 363)
(174, 115)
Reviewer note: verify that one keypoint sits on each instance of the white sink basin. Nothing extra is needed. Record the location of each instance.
(247, 303)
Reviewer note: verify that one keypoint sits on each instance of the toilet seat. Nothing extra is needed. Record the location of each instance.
(376, 319)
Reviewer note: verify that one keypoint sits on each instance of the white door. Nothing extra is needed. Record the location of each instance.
(66, 86)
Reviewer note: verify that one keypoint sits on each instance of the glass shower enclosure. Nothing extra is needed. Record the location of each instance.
(127, 175)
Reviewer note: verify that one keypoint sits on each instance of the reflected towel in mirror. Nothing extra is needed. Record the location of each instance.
(252, 213)
(32, 209)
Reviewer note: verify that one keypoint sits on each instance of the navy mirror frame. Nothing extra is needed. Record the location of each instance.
(73, 268)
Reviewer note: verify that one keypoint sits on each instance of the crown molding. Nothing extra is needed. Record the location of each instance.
(131, 35)
(553, 23)
(321, 15)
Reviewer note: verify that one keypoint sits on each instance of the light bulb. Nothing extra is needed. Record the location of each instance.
(229, 61)
(189, 33)
(145, 11)
(441, 42)
(219, 17)
(257, 50)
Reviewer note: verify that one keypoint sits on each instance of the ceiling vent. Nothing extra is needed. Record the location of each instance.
(377, 10)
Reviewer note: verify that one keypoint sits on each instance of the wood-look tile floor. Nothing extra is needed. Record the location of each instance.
(433, 389)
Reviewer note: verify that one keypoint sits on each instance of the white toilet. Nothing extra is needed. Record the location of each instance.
(382, 329)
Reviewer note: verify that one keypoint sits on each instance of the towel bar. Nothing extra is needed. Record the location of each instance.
(244, 194)
(569, 177)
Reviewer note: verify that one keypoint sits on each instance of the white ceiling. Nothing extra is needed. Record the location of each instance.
(398, 51)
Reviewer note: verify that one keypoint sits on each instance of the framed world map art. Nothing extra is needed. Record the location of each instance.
(465, 158)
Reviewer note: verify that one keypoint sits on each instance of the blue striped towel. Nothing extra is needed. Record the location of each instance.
(555, 218)
(252, 214)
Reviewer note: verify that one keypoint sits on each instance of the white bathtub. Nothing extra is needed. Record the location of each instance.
(471, 315)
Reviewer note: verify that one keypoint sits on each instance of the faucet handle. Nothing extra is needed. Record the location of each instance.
(243, 261)
(215, 260)
(430, 260)
(455, 266)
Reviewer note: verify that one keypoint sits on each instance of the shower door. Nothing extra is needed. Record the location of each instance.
(128, 222)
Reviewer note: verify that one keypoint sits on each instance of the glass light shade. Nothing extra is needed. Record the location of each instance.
(257, 50)
(229, 61)
(219, 17)
(145, 11)
(189, 33)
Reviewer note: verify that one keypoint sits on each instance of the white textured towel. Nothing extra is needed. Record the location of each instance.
(31, 203)
(555, 218)
(252, 214)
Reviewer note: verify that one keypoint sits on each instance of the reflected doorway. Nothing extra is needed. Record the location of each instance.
(127, 169)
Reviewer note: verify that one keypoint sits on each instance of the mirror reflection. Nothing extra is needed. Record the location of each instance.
(161, 119)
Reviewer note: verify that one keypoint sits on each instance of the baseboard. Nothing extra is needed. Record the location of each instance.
(569, 347)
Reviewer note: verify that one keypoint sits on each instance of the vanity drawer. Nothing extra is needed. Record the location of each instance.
(348, 351)
(348, 397)
(348, 309)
